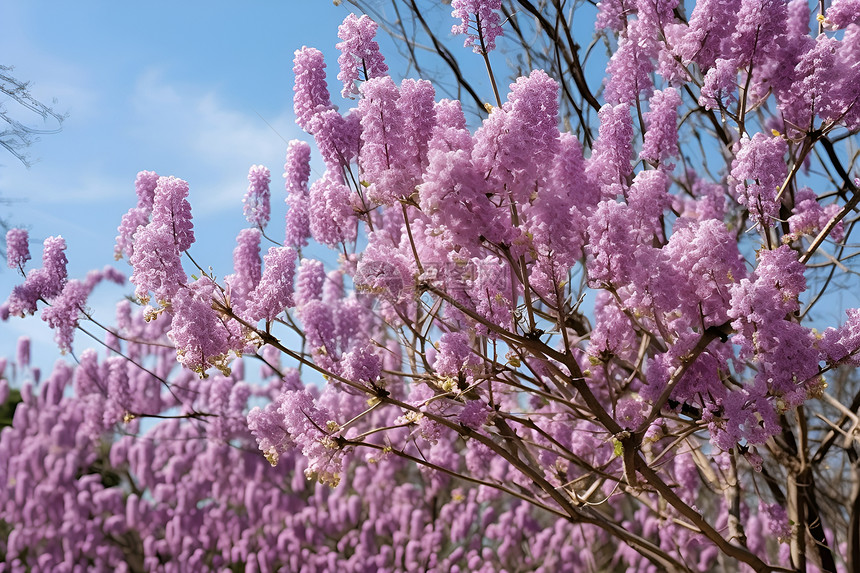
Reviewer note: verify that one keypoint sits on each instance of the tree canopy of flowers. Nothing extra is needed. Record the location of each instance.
(531, 348)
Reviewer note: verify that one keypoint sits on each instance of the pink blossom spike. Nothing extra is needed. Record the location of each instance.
(480, 21)
(17, 248)
(274, 294)
(256, 202)
(360, 58)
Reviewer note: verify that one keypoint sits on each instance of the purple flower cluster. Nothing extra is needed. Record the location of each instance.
(610, 157)
(311, 95)
(661, 139)
(809, 217)
(274, 292)
(160, 242)
(196, 329)
(515, 146)
(157, 264)
(480, 21)
(360, 58)
(297, 172)
(629, 70)
(17, 248)
(246, 268)
(330, 212)
(44, 283)
(257, 208)
(145, 185)
(62, 316)
(758, 173)
(386, 154)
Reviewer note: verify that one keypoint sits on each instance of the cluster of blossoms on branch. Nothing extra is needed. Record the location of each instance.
(522, 355)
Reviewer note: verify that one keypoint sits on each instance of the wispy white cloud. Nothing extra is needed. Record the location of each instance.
(205, 140)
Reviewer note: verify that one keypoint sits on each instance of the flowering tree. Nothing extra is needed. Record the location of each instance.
(528, 355)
